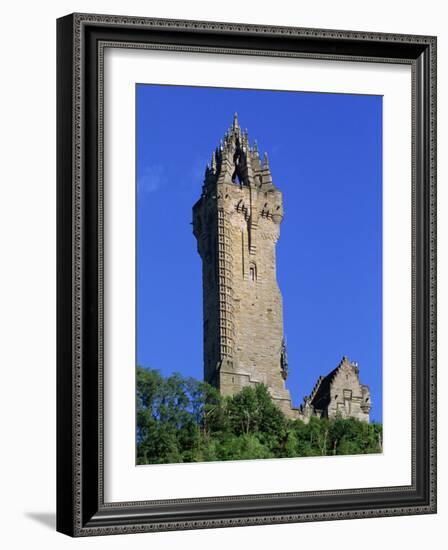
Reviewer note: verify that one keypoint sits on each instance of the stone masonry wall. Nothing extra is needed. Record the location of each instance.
(256, 299)
(348, 397)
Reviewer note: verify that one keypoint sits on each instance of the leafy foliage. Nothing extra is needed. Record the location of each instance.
(183, 420)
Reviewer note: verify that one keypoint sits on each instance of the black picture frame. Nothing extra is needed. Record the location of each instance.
(81, 510)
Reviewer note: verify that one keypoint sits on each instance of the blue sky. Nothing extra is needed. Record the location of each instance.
(325, 155)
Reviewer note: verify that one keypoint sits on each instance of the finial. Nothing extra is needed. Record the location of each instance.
(255, 146)
(214, 161)
(235, 120)
(266, 161)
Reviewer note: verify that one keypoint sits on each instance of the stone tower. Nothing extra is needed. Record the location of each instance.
(236, 223)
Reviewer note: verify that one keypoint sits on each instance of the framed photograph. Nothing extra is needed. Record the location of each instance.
(246, 274)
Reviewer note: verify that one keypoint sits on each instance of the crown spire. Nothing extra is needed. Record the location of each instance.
(265, 161)
(236, 124)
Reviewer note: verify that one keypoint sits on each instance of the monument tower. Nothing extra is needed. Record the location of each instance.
(236, 223)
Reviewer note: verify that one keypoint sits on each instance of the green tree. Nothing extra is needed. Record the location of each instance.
(181, 419)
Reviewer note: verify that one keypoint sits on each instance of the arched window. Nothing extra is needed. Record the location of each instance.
(252, 273)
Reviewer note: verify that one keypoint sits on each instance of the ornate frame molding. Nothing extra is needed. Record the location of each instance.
(81, 42)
